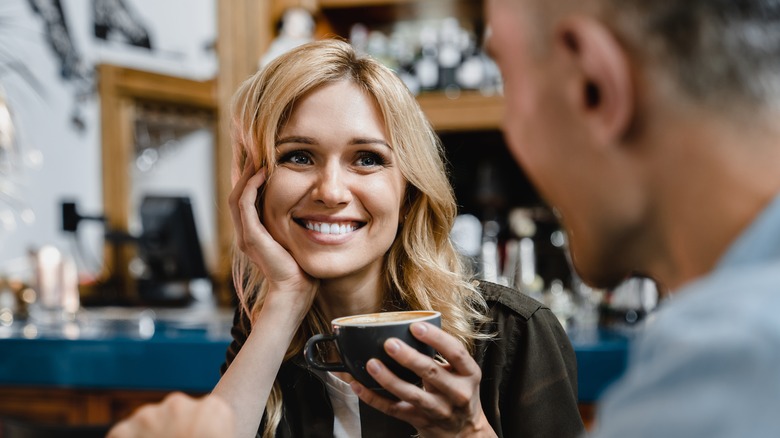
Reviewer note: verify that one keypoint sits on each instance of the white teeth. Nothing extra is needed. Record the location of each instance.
(327, 228)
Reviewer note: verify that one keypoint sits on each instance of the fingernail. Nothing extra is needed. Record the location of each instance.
(392, 346)
(372, 366)
(419, 328)
(356, 388)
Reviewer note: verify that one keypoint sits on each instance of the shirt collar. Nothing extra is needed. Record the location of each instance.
(760, 241)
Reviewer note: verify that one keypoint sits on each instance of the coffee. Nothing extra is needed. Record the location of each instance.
(383, 318)
(360, 338)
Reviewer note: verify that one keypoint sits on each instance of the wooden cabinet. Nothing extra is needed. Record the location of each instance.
(103, 407)
(73, 406)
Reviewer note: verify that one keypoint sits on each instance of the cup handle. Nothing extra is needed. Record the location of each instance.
(311, 356)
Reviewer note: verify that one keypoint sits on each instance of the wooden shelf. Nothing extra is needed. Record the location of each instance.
(340, 15)
(471, 111)
(360, 3)
(158, 87)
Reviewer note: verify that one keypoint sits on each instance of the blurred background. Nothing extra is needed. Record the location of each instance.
(115, 236)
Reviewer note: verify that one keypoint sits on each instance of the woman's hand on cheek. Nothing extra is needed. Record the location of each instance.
(448, 405)
(285, 277)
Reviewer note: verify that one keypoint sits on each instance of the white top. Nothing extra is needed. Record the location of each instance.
(346, 407)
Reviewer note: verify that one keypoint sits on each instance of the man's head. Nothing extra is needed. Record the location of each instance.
(605, 96)
(719, 52)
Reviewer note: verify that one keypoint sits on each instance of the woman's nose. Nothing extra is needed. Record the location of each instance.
(332, 188)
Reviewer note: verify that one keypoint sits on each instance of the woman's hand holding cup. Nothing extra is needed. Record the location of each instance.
(448, 404)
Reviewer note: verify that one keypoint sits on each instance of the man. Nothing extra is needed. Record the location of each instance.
(652, 127)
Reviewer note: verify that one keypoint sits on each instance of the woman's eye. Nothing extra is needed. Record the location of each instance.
(295, 157)
(370, 159)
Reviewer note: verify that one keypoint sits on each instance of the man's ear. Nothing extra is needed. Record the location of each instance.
(604, 88)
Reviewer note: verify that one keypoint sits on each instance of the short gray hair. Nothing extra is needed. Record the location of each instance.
(716, 50)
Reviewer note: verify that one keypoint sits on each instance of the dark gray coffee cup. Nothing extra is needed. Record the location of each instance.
(362, 337)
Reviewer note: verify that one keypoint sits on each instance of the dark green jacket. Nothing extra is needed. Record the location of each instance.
(528, 388)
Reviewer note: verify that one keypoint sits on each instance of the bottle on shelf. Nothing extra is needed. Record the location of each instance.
(466, 236)
(430, 55)
(450, 54)
(426, 66)
(520, 268)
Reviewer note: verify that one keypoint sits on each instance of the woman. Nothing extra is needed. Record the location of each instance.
(341, 206)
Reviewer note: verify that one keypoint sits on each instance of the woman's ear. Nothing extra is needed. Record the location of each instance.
(603, 92)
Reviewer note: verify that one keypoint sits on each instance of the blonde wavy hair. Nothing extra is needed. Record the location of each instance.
(422, 268)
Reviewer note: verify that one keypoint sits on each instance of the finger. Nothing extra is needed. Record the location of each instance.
(235, 196)
(176, 403)
(448, 347)
(407, 392)
(139, 424)
(123, 429)
(248, 199)
(239, 185)
(402, 410)
(256, 236)
(457, 386)
(435, 375)
(246, 219)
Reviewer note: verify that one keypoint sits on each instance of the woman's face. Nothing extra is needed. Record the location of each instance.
(334, 200)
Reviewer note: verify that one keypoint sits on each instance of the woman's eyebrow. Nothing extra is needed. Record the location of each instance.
(362, 140)
(309, 140)
(295, 139)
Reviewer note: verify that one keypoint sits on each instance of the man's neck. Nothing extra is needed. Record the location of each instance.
(718, 176)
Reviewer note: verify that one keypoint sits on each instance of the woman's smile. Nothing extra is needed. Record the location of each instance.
(327, 230)
(330, 228)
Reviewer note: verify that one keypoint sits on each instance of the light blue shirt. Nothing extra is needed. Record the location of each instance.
(707, 364)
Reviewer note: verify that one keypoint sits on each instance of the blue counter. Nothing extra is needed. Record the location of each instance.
(601, 359)
(187, 357)
(154, 364)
